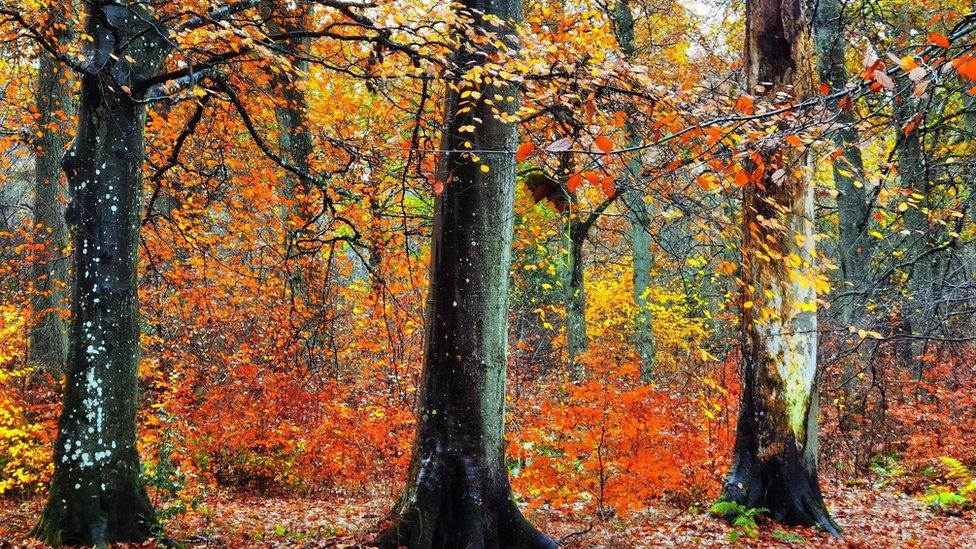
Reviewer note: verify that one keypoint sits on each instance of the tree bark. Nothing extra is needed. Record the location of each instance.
(55, 106)
(775, 457)
(576, 339)
(853, 207)
(458, 493)
(96, 494)
(911, 161)
(291, 115)
(637, 215)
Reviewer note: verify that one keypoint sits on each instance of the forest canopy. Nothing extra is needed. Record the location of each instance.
(489, 273)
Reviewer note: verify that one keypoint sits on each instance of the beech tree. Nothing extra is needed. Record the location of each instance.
(55, 110)
(96, 494)
(637, 214)
(775, 458)
(458, 492)
(853, 206)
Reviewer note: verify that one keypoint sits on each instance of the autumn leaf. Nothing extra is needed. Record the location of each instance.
(742, 178)
(574, 182)
(604, 144)
(745, 105)
(523, 151)
(939, 40)
(886, 82)
(966, 66)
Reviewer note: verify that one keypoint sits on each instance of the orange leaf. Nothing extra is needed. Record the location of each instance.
(794, 140)
(939, 40)
(523, 151)
(742, 178)
(745, 105)
(604, 144)
(912, 124)
(966, 66)
(574, 182)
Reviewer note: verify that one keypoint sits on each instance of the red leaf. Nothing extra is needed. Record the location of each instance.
(939, 40)
(966, 66)
(523, 151)
(742, 178)
(574, 182)
(604, 144)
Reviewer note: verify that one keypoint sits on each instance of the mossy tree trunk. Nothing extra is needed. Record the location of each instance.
(56, 109)
(637, 215)
(96, 494)
(912, 170)
(853, 206)
(775, 457)
(458, 492)
(576, 339)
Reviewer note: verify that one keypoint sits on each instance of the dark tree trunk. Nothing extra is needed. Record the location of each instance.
(291, 115)
(458, 493)
(775, 458)
(911, 162)
(853, 207)
(576, 340)
(96, 494)
(56, 109)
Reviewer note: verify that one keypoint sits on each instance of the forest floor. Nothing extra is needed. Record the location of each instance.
(871, 518)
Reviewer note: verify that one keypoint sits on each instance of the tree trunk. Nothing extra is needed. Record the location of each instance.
(291, 115)
(96, 494)
(637, 215)
(55, 106)
(775, 458)
(576, 340)
(911, 162)
(458, 493)
(853, 208)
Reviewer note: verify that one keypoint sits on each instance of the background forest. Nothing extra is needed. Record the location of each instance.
(709, 209)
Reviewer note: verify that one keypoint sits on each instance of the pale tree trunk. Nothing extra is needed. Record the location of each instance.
(96, 495)
(56, 109)
(458, 492)
(637, 215)
(775, 458)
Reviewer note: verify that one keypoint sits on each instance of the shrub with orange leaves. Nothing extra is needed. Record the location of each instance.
(611, 444)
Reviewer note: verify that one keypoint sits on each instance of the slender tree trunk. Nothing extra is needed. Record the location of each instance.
(640, 240)
(775, 458)
(291, 115)
(576, 339)
(853, 208)
(637, 215)
(55, 106)
(911, 162)
(96, 494)
(458, 493)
